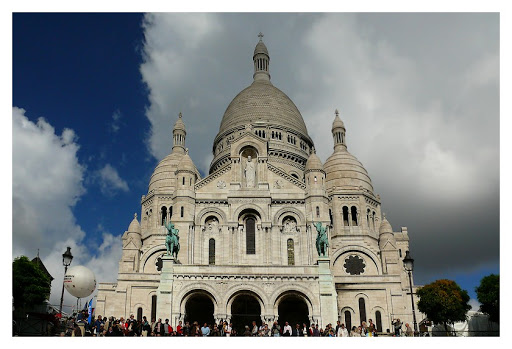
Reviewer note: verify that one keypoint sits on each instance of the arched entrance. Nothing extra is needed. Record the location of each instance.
(244, 310)
(293, 309)
(200, 308)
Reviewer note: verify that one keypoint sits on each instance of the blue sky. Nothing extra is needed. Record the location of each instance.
(112, 85)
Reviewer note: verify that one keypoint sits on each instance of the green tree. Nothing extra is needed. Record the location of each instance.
(444, 302)
(31, 286)
(488, 294)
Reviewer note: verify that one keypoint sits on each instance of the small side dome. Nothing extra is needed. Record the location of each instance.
(163, 178)
(134, 225)
(344, 171)
(314, 163)
(385, 226)
(186, 164)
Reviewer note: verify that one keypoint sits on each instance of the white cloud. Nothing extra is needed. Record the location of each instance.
(47, 183)
(110, 181)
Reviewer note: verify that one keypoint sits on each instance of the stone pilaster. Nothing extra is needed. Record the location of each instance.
(328, 296)
(164, 292)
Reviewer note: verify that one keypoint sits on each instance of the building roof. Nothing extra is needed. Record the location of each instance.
(40, 264)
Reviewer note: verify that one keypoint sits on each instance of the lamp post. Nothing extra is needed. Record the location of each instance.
(409, 266)
(67, 257)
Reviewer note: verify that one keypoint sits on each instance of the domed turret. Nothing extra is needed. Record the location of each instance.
(314, 163)
(163, 177)
(178, 136)
(386, 234)
(261, 61)
(186, 164)
(342, 169)
(133, 233)
(134, 225)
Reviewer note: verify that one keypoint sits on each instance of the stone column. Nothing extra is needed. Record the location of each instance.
(328, 296)
(164, 291)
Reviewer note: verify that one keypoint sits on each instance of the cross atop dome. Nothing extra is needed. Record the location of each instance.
(260, 35)
(180, 115)
(336, 112)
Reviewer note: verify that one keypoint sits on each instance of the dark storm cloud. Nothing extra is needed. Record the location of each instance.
(418, 93)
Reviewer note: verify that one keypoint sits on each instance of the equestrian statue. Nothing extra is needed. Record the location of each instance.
(172, 240)
(322, 242)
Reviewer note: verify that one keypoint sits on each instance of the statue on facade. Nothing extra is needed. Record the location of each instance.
(322, 242)
(250, 172)
(172, 240)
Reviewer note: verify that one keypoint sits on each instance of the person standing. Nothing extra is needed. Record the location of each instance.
(287, 330)
(254, 331)
(408, 330)
(276, 329)
(205, 330)
(342, 331)
(146, 327)
(397, 324)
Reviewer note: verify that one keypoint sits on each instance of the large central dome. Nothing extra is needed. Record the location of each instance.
(271, 115)
(262, 102)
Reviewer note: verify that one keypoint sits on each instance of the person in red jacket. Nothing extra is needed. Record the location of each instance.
(179, 329)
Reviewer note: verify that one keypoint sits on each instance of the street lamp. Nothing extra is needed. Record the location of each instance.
(67, 257)
(409, 266)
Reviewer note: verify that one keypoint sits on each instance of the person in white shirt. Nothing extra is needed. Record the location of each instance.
(287, 330)
(342, 331)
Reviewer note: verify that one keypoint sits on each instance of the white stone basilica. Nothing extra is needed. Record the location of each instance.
(247, 240)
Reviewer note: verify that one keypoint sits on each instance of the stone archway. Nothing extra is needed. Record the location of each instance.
(244, 310)
(292, 308)
(199, 307)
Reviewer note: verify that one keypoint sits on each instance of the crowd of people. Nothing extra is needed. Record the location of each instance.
(105, 327)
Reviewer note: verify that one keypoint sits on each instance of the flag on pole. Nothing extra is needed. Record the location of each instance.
(89, 309)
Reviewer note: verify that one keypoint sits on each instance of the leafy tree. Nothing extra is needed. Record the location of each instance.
(31, 286)
(488, 294)
(443, 301)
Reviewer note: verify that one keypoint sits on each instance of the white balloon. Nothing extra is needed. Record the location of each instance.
(80, 281)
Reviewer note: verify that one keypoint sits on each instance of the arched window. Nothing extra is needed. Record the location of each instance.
(139, 314)
(170, 212)
(164, 214)
(348, 320)
(378, 321)
(353, 211)
(183, 180)
(362, 309)
(345, 216)
(190, 182)
(330, 216)
(317, 212)
(368, 218)
(250, 235)
(291, 252)
(294, 175)
(400, 252)
(211, 251)
(315, 179)
(373, 220)
(182, 211)
(153, 307)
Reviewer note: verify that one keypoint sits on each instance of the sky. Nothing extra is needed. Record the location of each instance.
(95, 97)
